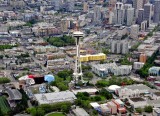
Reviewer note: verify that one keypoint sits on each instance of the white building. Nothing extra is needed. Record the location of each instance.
(134, 31)
(138, 65)
(111, 68)
(49, 98)
(132, 90)
(138, 102)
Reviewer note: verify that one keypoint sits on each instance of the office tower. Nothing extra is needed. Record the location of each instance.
(134, 31)
(126, 7)
(119, 13)
(85, 7)
(140, 16)
(147, 12)
(143, 58)
(156, 16)
(130, 16)
(97, 14)
(137, 4)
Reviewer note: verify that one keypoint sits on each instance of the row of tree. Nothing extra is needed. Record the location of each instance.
(47, 108)
(143, 72)
(7, 46)
(4, 80)
(114, 81)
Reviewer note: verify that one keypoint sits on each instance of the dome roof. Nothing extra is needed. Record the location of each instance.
(113, 87)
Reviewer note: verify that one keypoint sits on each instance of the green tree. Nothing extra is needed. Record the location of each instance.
(139, 110)
(148, 109)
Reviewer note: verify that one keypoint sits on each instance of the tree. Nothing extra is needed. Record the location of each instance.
(148, 109)
(97, 98)
(64, 108)
(105, 93)
(139, 110)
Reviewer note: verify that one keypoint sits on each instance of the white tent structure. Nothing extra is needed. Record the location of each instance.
(28, 80)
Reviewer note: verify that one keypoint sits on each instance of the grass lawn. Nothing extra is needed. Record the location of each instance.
(4, 105)
(56, 114)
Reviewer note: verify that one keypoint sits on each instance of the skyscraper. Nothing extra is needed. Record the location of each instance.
(156, 17)
(97, 14)
(140, 16)
(137, 4)
(147, 12)
(119, 13)
(130, 16)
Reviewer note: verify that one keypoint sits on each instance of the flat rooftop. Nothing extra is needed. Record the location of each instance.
(80, 112)
(138, 99)
(49, 98)
(157, 93)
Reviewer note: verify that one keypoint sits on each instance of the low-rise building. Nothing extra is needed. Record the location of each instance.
(42, 49)
(138, 65)
(111, 68)
(138, 102)
(154, 71)
(132, 90)
(94, 57)
(49, 98)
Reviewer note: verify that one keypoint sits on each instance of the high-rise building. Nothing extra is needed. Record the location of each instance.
(156, 16)
(97, 14)
(137, 4)
(130, 16)
(140, 16)
(134, 31)
(119, 13)
(147, 12)
(125, 48)
(113, 46)
(119, 47)
(85, 7)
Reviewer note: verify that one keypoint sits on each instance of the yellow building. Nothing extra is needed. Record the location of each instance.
(95, 57)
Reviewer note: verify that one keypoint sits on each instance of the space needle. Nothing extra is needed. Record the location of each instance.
(78, 75)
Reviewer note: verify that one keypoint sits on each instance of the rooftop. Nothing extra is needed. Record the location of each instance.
(138, 99)
(157, 93)
(48, 98)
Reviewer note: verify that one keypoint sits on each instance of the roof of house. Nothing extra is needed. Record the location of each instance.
(14, 94)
